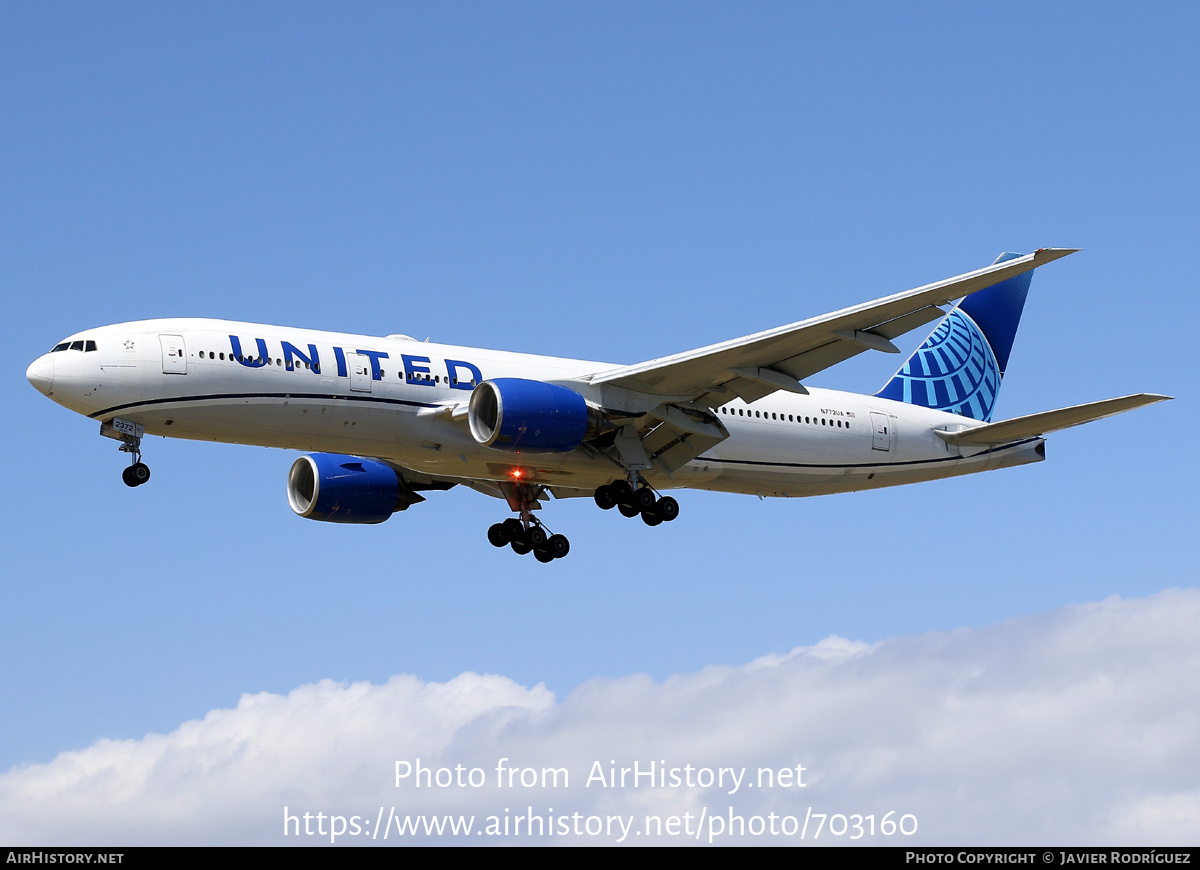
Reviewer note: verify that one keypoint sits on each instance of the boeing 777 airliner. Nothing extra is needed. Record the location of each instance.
(386, 419)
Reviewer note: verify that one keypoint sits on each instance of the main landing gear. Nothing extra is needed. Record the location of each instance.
(527, 534)
(633, 497)
(639, 501)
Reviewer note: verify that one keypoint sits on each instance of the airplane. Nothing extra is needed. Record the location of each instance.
(385, 419)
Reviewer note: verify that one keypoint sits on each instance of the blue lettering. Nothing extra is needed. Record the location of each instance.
(457, 383)
(249, 362)
(290, 350)
(412, 370)
(340, 355)
(376, 356)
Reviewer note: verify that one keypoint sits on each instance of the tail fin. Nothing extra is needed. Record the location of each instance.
(960, 366)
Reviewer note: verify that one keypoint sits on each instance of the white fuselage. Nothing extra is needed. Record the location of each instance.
(394, 399)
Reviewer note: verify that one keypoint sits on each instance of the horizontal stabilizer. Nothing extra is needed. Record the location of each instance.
(1007, 431)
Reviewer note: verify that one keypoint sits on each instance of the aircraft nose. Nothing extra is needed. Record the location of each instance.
(41, 374)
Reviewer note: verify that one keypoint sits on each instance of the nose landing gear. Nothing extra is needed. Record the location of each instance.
(130, 436)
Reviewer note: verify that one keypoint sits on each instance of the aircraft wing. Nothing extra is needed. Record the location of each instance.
(1007, 431)
(778, 359)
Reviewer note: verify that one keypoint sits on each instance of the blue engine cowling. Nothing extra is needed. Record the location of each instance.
(343, 489)
(530, 416)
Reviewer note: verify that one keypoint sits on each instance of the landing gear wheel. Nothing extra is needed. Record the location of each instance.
(621, 491)
(521, 546)
(667, 508)
(513, 529)
(604, 498)
(536, 537)
(644, 499)
(628, 510)
(543, 556)
(497, 536)
(136, 474)
(651, 517)
(558, 546)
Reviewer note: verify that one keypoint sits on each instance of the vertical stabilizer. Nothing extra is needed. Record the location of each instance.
(960, 366)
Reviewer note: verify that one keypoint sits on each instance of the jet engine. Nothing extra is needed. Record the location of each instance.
(531, 416)
(346, 489)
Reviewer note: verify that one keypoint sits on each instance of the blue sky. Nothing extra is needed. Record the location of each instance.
(608, 181)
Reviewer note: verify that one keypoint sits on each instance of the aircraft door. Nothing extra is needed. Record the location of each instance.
(881, 432)
(360, 372)
(174, 354)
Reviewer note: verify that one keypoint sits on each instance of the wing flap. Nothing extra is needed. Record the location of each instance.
(670, 438)
(1007, 431)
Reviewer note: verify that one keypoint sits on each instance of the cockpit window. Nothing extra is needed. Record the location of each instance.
(85, 345)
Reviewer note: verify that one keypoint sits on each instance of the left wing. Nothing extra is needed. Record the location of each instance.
(1007, 431)
(778, 359)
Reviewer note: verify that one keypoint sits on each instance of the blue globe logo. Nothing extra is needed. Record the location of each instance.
(955, 370)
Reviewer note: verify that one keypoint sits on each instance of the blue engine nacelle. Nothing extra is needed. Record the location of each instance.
(530, 416)
(344, 489)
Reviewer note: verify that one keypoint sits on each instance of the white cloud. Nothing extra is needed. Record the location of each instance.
(1080, 726)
